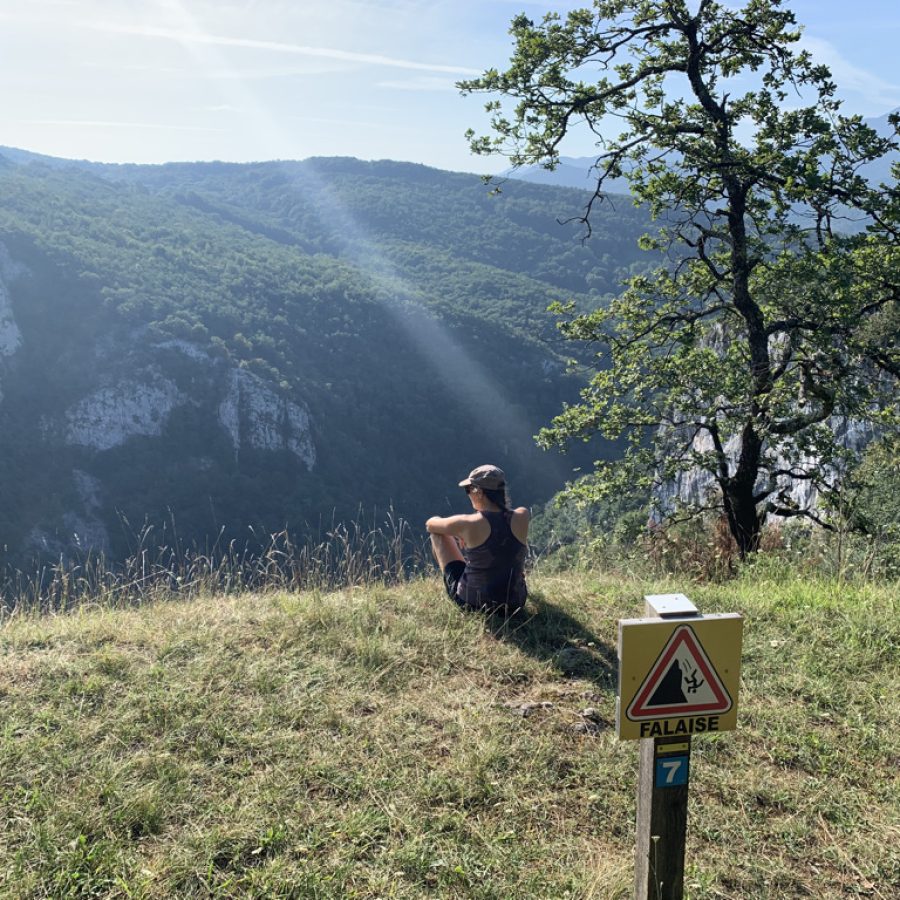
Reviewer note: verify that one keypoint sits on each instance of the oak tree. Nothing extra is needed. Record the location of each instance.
(769, 326)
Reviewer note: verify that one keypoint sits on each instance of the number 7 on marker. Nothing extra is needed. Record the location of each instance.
(671, 766)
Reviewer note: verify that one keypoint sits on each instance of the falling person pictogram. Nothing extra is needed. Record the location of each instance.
(693, 682)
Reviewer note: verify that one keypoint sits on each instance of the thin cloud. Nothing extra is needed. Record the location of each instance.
(192, 37)
(880, 94)
(424, 83)
(310, 69)
(352, 123)
(116, 67)
(301, 70)
(102, 123)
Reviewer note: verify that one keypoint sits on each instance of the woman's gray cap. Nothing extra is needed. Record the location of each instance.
(488, 477)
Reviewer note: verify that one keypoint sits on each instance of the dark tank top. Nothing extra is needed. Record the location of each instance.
(495, 570)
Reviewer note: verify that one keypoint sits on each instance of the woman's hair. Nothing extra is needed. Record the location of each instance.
(499, 497)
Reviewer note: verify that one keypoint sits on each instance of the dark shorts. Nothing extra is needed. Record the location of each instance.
(452, 573)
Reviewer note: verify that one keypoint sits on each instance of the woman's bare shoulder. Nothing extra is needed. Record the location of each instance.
(451, 524)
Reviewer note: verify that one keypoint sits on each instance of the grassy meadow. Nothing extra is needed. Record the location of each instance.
(375, 742)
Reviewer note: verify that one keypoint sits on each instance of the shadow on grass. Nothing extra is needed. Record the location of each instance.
(547, 632)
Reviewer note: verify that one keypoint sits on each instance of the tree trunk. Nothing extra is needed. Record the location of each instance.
(743, 519)
(738, 494)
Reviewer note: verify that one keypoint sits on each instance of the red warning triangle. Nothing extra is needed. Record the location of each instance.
(682, 682)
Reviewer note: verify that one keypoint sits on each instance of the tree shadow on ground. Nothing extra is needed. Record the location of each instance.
(547, 632)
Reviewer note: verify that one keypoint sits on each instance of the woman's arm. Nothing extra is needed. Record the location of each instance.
(520, 520)
(452, 525)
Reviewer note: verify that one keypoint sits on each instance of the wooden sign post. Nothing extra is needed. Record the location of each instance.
(679, 674)
(661, 818)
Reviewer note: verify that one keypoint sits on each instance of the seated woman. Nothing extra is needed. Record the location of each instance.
(482, 553)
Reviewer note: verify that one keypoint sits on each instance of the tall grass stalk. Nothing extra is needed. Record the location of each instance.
(160, 565)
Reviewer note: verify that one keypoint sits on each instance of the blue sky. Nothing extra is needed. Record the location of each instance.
(240, 80)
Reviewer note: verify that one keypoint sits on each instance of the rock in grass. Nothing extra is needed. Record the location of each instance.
(526, 709)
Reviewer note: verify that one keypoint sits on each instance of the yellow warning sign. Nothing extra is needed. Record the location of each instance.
(678, 676)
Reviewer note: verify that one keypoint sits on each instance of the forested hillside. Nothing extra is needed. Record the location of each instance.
(277, 345)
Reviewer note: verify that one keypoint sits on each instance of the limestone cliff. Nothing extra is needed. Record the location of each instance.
(133, 407)
(132, 395)
(10, 335)
(253, 413)
(695, 488)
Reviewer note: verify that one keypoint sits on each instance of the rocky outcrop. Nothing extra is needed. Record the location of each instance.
(255, 416)
(697, 487)
(250, 410)
(87, 529)
(110, 416)
(10, 335)
(81, 530)
(139, 387)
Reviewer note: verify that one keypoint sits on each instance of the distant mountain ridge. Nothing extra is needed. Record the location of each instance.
(237, 346)
(572, 171)
(577, 171)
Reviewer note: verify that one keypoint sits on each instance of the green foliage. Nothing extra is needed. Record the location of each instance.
(735, 357)
(868, 505)
(875, 484)
(616, 523)
(402, 306)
